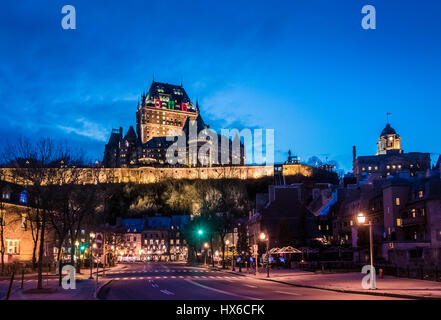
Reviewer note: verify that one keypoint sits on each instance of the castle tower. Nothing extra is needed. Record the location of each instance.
(389, 141)
(163, 111)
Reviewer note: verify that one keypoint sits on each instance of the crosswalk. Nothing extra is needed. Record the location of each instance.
(161, 271)
(174, 277)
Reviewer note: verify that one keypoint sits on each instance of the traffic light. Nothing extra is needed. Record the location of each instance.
(200, 232)
(82, 248)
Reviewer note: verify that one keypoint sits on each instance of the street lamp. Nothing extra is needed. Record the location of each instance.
(361, 219)
(262, 237)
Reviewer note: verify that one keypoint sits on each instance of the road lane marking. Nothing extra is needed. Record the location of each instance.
(222, 291)
(250, 286)
(289, 293)
(167, 292)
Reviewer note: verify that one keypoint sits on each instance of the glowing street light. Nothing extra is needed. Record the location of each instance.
(361, 218)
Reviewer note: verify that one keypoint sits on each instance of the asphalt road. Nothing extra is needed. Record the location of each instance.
(173, 281)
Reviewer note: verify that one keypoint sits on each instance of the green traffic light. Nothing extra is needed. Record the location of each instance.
(82, 248)
(200, 232)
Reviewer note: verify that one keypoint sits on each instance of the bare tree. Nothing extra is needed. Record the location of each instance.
(39, 167)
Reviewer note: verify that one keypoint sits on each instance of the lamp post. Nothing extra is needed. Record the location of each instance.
(206, 252)
(77, 244)
(361, 218)
(227, 243)
(232, 261)
(91, 237)
(262, 237)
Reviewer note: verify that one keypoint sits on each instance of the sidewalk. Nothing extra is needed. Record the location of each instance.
(86, 288)
(351, 283)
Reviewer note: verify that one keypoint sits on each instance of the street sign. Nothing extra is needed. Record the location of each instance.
(99, 240)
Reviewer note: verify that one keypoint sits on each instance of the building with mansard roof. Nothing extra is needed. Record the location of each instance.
(164, 116)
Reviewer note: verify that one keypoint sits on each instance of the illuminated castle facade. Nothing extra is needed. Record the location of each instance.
(164, 114)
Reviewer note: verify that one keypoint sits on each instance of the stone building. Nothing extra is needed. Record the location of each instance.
(400, 194)
(16, 219)
(390, 158)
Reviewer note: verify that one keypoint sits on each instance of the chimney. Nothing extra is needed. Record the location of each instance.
(354, 153)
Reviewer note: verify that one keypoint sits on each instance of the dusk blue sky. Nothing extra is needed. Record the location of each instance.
(304, 68)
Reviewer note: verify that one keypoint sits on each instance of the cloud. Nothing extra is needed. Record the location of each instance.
(87, 129)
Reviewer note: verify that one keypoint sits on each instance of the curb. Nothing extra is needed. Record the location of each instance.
(99, 288)
(373, 293)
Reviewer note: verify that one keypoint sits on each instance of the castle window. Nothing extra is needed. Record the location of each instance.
(399, 166)
(420, 194)
(370, 168)
(398, 222)
(376, 168)
(387, 167)
(397, 201)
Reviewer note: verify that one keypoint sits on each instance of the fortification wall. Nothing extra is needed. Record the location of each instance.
(144, 175)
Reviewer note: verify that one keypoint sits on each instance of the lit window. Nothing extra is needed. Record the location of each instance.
(420, 194)
(376, 168)
(24, 197)
(394, 166)
(12, 246)
(397, 201)
(398, 222)
(387, 167)
(24, 223)
(2, 217)
(363, 169)
(320, 227)
(399, 166)
(369, 168)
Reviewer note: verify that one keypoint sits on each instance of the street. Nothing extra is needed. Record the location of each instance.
(177, 281)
